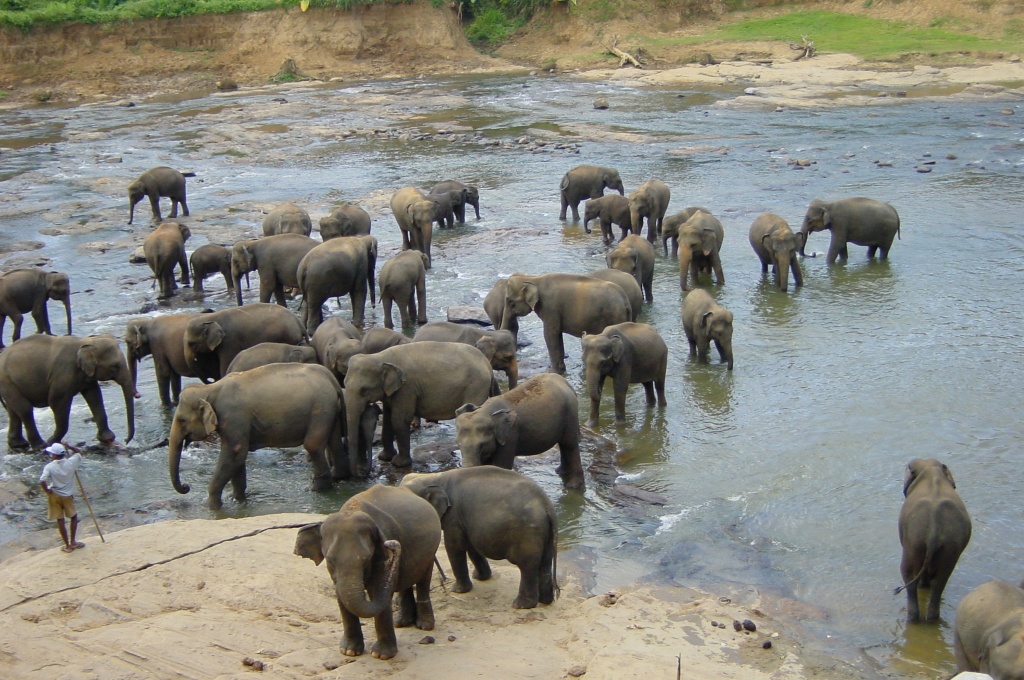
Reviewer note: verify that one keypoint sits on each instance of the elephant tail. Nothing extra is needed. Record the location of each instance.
(552, 547)
(928, 555)
(440, 572)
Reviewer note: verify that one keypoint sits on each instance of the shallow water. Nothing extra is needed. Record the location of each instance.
(783, 476)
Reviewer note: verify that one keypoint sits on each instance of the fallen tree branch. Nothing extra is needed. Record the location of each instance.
(624, 57)
(806, 48)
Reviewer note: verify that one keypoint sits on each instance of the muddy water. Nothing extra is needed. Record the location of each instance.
(782, 478)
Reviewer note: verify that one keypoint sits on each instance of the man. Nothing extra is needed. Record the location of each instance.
(57, 481)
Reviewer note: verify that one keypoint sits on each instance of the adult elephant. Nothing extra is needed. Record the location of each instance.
(381, 542)
(213, 340)
(861, 221)
(403, 279)
(988, 634)
(27, 290)
(345, 220)
(43, 370)
(341, 266)
(634, 293)
(338, 354)
(704, 322)
(472, 197)
(586, 181)
(670, 227)
(238, 410)
(635, 256)
(629, 353)
(330, 341)
(700, 240)
(211, 259)
(271, 353)
(934, 530)
(540, 413)
(498, 346)
(157, 182)
(416, 214)
(776, 244)
(165, 249)
(287, 218)
(428, 380)
(275, 258)
(163, 338)
(649, 201)
(565, 303)
(490, 513)
(494, 307)
(610, 209)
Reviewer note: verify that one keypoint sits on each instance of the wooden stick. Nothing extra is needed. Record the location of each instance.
(89, 505)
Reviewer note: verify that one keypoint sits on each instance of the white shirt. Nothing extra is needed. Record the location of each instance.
(59, 475)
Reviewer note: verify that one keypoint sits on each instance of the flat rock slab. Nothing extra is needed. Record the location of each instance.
(467, 314)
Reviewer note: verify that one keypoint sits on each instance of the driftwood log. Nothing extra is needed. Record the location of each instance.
(806, 48)
(624, 57)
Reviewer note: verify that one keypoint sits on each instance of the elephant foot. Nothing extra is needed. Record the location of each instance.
(106, 437)
(424, 616)
(19, 443)
(383, 651)
(575, 483)
(350, 647)
(482, 574)
(405, 618)
(323, 483)
(402, 460)
(522, 602)
(547, 595)
(592, 423)
(463, 587)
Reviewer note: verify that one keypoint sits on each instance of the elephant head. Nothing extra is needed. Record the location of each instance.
(611, 180)
(58, 287)
(203, 337)
(500, 349)
(99, 358)
(195, 419)
(694, 240)
(817, 218)
(625, 260)
(1003, 653)
(338, 353)
(430, 488)
(717, 324)
(920, 468)
(521, 297)
(136, 192)
(243, 261)
(422, 214)
(136, 339)
(591, 211)
(601, 353)
(368, 380)
(784, 245)
(481, 432)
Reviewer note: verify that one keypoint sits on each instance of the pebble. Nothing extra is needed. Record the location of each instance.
(736, 625)
(1007, 112)
(951, 156)
(749, 625)
(577, 671)
(452, 638)
(601, 103)
(767, 644)
(254, 664)
(609, 599)
(884, 164)
(427, 640)
(924, 169)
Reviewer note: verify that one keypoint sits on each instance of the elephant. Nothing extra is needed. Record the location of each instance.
(494, 306)
(241, 410)
(525, 421)
(934, 530)
(165, 250)
(670, 227)
(450, 201)
(271, 353)
(566, 303)
(630, 353)
(44, 370)
(472, 197)
(586, 181)
(776, 244)
(382, 541)
(700, 240)
(210, 259)
(403, 278)
(635, 256)
(330, 338)
(163, 337)
(287, 218)
(415, 215)
(650, 200)
(342, 265)
(703, 321)
(498, 346)
(610, 209)
(421, 379)
(155, 183)
(988, 634)
(490, 513)
(275, 258)
(27, 290)
(213, 340)
(627, 283)
(345, 220)
(379, 339)
(861, 221)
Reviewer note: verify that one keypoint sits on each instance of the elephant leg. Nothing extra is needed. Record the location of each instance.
(529, 585)
(386, 302)
(481, 568)
(18, 319)
(570, 467)
(16, 409)
(565, 206)
(649, 392)
(321, 470)
(163, 386)
(239, 484)
(154, 204)
(421, 297)
(693, 345)
(358, 299)
(938, 585)
(454, 546)
(424, 609)
(620, 386)
(225, 471)
(42, 320)
(386, 645)
(61, 409)
(403, 433)
(352, 639)
(407, 309)
(338, 452)
(174, 207)
(94, 398)
(913, 608)
(575, 211)
(279, 297)
(659, 386)
(716, 265)
(387, 434)
(835, 249)
(702, 350)
(183, 266)
(556, 347)
(405, 239)
(406, 609)
(184, 206)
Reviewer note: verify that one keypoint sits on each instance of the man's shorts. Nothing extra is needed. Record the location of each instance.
(60, 506)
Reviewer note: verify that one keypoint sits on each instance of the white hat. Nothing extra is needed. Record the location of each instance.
(55, 449)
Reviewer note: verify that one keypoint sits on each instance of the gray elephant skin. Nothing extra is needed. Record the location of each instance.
(213, 340)
(382, 541)
(275, 258)
(704, 322)
(329, 341)
(988, 635)
(586, 181)
(499, 347)
(210, 259)
(540, 413)
(415, 215)
(155, 183)
(494, 306)
(934, 530)
(429, 380)
(566, 303)
(630, 353)
(649, 201)
(775, 244)
(27, 290)
(670, 227)
(700, 241)
(609, 210)
(342, 266)
(163, 338)
(238, 410)
(403, 280)
(165, 250)
(635, 256)
(472, 197)
(628, 284)
(271, 353)
(43, 370)
(490, 513)
(860, 221)
(345, 220)
(287, 218)
(449, 201)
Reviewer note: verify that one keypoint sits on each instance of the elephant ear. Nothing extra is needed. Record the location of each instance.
(186, 233)
(392, 378)
(213, 334)
(487, 347)
(87, 359)
(910, 475)
(136, 336)
(504, 420)
(209, 416)
(801, 239)
(436, 496)
(465, 408)
(617, 349)
(949, 475)
(826, 218)
(704, 319)
(309, 544)
(531, 295)
(296, 355)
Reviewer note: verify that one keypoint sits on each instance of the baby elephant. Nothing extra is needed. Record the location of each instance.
(403, 280)
(934, 529)
(988, 635)
(210, 259)
(157, 182)
(703, 321)
(165, 250)
(635, 255)
(630, 353)
(487, 512)
(271, 353)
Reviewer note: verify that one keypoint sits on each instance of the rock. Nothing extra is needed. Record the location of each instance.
(715, 624)
(576, 671)
(951, 156)
(736, 625)
(923, 169)
(749, 625)
(126, 104)
(427, 640)
(609, 599)
(467, 314)
(227, 84)
(767, 644)
(138, 256)
(884, 164)
(1007, 112)
(706, 59)
(452, 638)
(601, 103)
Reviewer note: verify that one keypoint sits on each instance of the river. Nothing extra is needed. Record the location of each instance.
(782, 477)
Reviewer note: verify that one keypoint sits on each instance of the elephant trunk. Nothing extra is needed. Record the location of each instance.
(685, 255)
(368, 600)
(175, 444)
(359, 459)
(594, 382)
(238, 286)
(133, 368)
(507, 316)
(127, 383)
(805, 231)
(131, 210)
(371, 281)
(67, 310)
(783, 271)
(512, 371)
